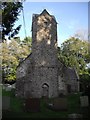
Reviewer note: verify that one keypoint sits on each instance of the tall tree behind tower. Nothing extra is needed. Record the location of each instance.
(10, 13)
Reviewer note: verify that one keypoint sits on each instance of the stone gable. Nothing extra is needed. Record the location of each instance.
(41, 74)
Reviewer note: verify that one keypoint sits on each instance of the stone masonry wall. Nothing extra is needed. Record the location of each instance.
(44, 75)
(44, 49)
(44, 55)
(42, 67)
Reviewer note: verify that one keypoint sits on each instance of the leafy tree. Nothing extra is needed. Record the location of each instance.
(73, 53)
(28, 41)
(84, 81)
(12, 53)
(10, 13)
(87, 56)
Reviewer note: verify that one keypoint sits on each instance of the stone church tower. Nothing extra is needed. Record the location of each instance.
(44, 55)
(41, 74)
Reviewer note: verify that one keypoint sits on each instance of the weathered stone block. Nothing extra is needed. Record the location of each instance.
(60, 104)
(32, 105)
(5, 103)
(84, 101)
(75, 116)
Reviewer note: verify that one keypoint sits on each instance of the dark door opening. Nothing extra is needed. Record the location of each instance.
(69, 88)
(45, 90)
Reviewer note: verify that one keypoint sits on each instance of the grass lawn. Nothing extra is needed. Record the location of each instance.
(16, 109)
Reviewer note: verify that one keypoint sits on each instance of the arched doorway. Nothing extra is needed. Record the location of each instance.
(45, 90)
(68, 88)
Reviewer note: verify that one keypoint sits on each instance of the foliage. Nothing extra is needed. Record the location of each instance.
(73, 53)
(10, 13)
(28, 41)
(13, 53)
(85, 80)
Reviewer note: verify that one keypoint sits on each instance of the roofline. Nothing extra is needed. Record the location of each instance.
(37, 15)
(24, 60)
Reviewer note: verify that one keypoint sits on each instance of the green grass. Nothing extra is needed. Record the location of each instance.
(17, 109)
(8, 93)
(74, 103)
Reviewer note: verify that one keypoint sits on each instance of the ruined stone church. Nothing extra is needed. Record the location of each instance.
(41, 74)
